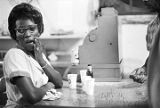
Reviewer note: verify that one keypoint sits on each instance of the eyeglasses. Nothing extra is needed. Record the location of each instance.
(22, 30)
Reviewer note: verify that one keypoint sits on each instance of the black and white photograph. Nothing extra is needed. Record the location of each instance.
(79, 54)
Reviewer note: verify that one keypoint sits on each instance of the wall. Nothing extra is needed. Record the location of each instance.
(59, 15)
(133, 33)
(134, 46)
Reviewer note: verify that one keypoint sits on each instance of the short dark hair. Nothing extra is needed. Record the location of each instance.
(24, 11)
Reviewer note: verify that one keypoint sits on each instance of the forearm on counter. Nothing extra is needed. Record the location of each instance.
(54, 76)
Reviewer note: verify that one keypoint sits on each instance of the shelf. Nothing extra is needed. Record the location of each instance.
(60, 64)
(72, 36)
(54, 64)
(61, 53)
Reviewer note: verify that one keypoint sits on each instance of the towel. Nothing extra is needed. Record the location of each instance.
(52, 94)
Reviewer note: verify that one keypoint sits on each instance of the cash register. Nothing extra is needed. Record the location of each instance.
(102, 48)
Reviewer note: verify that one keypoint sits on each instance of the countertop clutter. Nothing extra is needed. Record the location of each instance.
(124, 94)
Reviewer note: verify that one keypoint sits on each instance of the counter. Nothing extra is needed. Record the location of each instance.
(124, 94)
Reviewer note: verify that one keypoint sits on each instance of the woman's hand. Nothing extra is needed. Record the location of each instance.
(38, 52)
(48, 86)
(139, 75)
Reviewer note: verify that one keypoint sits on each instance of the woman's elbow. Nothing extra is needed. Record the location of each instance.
(33, 98)
(59, 85)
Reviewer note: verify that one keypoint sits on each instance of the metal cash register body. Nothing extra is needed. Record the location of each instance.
(102, 48)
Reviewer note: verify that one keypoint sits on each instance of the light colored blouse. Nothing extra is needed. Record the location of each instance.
(17, 63)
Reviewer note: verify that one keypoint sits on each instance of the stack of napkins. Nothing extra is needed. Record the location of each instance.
(52, 94)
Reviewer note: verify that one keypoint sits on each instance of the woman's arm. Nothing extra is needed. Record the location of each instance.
(54, 76)
(30, 93)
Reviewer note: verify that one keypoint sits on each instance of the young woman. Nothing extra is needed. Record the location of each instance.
(27, 72)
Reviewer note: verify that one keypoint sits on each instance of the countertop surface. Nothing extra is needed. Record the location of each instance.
(123, 94)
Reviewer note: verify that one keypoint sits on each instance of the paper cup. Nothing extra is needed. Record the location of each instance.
(72, 80)
(85, 82)
(88, 85)
(90, 89)
(83, 73)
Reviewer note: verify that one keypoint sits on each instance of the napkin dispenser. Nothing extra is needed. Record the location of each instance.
(102, 48)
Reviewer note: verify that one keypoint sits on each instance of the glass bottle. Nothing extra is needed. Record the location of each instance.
(89, 70)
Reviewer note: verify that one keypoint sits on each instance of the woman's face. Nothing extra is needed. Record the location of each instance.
(26, 32)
